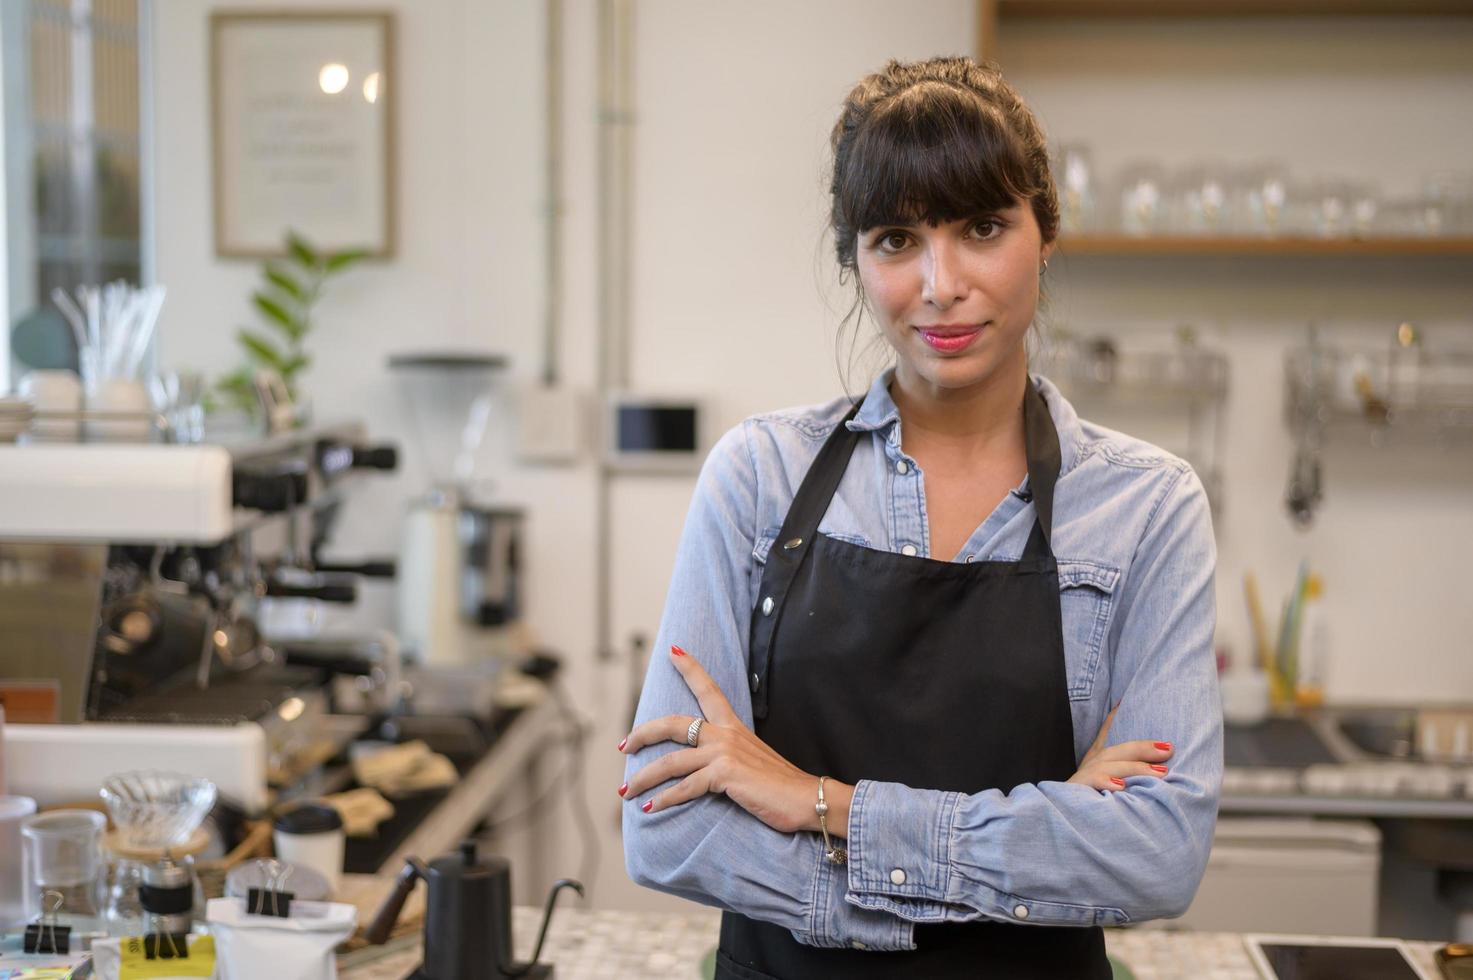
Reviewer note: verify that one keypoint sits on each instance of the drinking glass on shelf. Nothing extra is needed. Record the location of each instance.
(1365, 205)
(179, 396)
(1262, 192)
(1076, 180)
(1142, 200)
(1447, 203)
(1200, 202)
(1330, 208)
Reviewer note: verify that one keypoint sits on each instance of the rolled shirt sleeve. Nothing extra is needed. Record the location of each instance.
(1060, 853)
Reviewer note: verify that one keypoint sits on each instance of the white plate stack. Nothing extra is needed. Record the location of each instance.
(15, 417)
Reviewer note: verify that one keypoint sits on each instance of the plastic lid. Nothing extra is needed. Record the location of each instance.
(82, 824)
(309, 818)
(15, 807)
(305, 884)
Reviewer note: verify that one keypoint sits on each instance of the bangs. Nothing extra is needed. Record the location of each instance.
(933, 153)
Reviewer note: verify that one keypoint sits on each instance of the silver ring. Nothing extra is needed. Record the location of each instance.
(693, 732)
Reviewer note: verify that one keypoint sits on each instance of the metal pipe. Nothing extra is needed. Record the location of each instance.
(553, 265)
(615, 169)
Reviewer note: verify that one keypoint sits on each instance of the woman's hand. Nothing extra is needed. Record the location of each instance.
(1107, 768)
(728, 758)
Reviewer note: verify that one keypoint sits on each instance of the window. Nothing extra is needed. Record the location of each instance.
(73, 161)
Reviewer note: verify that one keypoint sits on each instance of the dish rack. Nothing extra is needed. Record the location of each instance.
(1400, 394)
(1381, 395)
(1187, 380)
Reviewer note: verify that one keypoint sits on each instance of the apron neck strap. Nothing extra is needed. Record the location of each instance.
(1044, 459)
(1040, 438)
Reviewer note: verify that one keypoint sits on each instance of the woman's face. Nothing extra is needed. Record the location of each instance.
(954, 300)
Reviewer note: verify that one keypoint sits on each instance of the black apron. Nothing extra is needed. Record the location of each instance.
(866, 664)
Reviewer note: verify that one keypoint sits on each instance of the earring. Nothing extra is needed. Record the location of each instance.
(1045, 267)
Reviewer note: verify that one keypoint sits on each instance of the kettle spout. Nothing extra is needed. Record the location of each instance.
(518, 969)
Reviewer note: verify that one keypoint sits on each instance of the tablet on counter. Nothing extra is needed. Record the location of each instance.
(1331, 958)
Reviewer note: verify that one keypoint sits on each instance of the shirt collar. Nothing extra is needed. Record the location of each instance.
(879, 414)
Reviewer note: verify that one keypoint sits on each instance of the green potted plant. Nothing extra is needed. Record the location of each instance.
(286, 300)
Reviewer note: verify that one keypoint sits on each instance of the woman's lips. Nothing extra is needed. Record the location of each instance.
(949, 339)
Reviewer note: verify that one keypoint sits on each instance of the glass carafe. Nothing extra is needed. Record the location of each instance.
(63, 860)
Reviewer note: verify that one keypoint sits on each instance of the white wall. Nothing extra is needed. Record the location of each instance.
(734, 299)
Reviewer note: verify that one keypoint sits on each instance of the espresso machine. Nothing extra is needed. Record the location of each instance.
(131, 579)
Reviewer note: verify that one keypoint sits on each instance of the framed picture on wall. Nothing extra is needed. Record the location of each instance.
(303, 130)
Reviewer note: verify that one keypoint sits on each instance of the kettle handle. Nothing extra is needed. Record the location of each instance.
(388, 913)
(521, 968)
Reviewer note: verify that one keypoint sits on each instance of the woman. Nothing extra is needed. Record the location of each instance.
(974, 626)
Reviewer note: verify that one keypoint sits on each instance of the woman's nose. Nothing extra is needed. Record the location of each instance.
(942, 284)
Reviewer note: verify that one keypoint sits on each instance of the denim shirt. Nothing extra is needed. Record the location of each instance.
(1133, 538)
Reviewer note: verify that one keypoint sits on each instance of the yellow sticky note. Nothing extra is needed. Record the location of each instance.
(135, 963)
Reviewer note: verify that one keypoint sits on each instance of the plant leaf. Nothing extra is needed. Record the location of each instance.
(238, 389)
(279, 315)
(240, 376)
(261, 348)
(285, 283)
(295, 364)
(341, 260)
(301, 251)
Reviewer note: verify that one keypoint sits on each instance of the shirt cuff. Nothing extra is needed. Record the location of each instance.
(840, 925)
(902, 861)
(900, 849)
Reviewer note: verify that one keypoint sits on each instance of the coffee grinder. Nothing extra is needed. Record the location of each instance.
(459, 599)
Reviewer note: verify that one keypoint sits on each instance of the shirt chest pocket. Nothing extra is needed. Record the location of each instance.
(767, 538)
(1086, 600)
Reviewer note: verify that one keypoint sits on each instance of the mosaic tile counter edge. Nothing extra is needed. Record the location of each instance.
(596, 945)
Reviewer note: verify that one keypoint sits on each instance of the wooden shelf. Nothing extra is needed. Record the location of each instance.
(1186, 9)
(1253, 247)
(991, 12)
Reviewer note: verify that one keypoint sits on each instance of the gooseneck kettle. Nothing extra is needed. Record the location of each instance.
(467, 933)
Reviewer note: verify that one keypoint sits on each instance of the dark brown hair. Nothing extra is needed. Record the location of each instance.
(936, 140)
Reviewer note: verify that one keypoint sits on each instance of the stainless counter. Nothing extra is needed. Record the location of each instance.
(1341, 761)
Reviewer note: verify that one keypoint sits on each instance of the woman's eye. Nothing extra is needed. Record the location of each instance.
(987, 228)
(892, 241)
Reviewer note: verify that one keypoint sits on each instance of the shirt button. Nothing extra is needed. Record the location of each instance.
(1020, 911)
(897, 877)
(969, 559)
(909, 551)
(857, 944)
(901, 467)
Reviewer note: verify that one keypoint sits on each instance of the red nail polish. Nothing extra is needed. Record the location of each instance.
(623, 789)
(1159, 768)
(676, 650)
(647, 805)
(1117, 781)
(623, 742)
(1163, 746)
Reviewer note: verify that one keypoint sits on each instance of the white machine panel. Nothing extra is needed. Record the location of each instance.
(67, 763)
(115, 493)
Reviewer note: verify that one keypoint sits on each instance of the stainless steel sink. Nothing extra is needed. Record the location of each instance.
(1380, 733)
(1327, 736)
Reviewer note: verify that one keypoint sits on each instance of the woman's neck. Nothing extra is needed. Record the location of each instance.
(983, 421)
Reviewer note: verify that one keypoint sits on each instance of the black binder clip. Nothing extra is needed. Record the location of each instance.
(273, 899)
(45, 936)
(166, 946)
